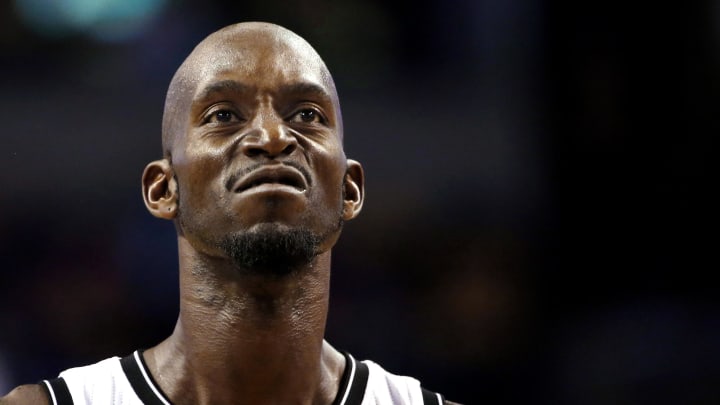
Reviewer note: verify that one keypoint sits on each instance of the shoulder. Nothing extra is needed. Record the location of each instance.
(99, 377)
(31, 394)
(386, 387)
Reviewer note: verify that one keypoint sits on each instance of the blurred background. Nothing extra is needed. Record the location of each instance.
(539, 218)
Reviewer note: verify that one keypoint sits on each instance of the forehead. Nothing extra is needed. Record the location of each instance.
(264, 60)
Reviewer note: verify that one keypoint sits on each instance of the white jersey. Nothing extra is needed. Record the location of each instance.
(126, 381)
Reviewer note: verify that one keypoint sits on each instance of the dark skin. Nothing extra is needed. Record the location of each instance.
(252, 134)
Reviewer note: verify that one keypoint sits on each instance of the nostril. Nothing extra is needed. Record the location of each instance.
(290, 148)
(252, 152)
(268, 143)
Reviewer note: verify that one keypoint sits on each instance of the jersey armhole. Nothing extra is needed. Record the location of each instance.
(57, 391)
(431, 398)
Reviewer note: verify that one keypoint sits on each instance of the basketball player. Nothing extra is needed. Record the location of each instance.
(256, 181)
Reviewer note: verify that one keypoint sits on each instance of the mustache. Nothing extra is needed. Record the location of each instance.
(232, 180)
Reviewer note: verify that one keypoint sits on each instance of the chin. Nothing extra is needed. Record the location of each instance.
(271, 248)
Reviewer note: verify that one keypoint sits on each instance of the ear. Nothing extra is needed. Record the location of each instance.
(160, 189)
(354, 190)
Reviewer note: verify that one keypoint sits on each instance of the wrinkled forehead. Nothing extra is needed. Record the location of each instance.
(262, 58)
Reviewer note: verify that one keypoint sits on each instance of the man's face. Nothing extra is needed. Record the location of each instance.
(262, 149)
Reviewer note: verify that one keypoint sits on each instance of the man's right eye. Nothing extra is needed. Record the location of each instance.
(222, 116)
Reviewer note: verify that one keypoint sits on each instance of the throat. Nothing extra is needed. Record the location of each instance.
(249, 336)
(245, 302)
(262, 376)
(267, 355)
(252, 327)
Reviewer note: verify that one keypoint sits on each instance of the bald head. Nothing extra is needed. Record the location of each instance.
(265, 54)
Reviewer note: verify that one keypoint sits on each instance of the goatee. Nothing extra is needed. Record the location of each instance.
(272, 250)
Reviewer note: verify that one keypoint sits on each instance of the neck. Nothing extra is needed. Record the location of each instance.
(245, 338)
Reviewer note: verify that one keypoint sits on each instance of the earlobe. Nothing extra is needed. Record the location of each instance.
(354, 190)
(160, 189)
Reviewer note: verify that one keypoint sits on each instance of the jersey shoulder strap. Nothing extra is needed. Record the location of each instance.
(384, 387)
(353, 382)
(142, 381)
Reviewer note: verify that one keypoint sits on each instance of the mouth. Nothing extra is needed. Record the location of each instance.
(272, 175)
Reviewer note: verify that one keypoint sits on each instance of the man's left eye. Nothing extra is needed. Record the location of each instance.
(307, 116)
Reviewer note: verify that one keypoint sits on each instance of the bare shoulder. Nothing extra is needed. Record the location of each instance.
(446, 402)
(30, 394)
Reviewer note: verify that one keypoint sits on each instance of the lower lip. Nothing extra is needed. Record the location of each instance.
(272, 188)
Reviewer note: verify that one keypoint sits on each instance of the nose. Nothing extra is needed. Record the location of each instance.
(269, 137)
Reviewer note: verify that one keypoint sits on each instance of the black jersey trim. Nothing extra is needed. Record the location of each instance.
(348, 374)
(431, 398)
(48, 391)
(358, 386)
(353, 382)
(57, 391)
(142, 381)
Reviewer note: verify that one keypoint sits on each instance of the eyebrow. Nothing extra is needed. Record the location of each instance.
(305, 89)
(222, 87)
